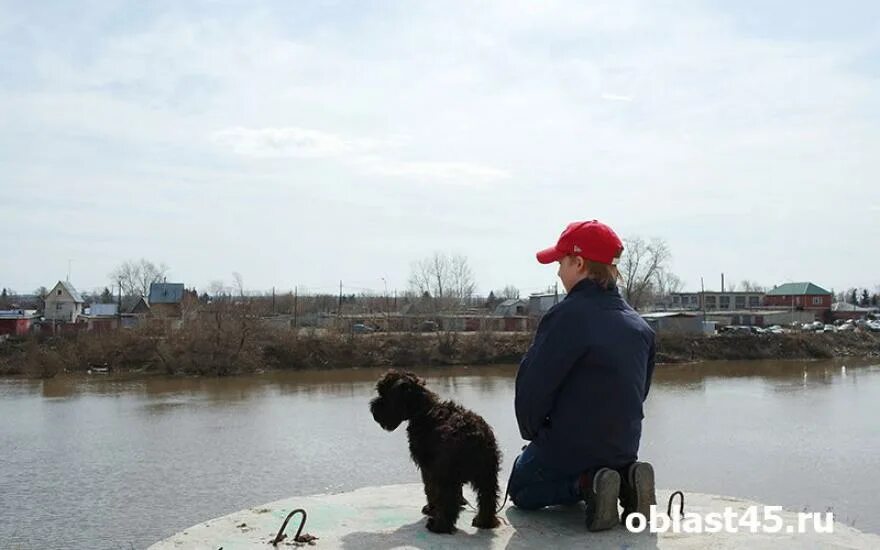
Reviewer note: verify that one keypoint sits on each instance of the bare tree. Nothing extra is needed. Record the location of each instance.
(509, 292)
(239, 283)
(666, 284)
(216, 287)
(136, 276)
(639, 266)
(751, 286)
(420, 278)
(461, 279)
(447, 279)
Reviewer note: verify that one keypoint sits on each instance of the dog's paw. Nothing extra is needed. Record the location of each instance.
(439, 527)
(490, 522)
(427, 510)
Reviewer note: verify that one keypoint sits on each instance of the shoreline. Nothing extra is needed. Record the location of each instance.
(195, 355)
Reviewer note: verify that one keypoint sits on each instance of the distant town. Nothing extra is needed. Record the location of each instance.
(169, 306)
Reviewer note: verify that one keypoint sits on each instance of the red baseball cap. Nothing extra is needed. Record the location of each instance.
(590, 240)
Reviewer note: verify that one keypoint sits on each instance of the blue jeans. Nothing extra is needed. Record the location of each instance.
(534, 484)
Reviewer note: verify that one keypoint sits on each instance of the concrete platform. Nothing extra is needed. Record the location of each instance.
(389, 517)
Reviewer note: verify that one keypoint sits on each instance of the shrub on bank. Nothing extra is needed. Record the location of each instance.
(229, 346)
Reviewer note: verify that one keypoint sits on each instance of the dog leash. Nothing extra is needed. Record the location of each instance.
(506, 490)
(506, 494)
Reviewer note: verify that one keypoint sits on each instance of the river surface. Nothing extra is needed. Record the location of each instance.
(101, 462)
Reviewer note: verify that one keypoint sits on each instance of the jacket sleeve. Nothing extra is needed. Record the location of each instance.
(650, 373)
(557, 347)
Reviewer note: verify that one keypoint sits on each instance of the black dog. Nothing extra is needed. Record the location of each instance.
(450, 444)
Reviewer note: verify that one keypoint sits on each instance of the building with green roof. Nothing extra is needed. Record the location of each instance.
(807, 296)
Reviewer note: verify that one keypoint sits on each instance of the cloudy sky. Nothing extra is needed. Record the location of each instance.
(303, 143)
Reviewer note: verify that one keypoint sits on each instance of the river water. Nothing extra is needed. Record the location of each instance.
(103, 462)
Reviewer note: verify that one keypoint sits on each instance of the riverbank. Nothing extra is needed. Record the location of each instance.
(197, 353)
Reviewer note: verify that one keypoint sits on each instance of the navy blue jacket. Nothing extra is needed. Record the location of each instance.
(581, 385)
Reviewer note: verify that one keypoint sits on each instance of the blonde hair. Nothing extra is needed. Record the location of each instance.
(604, 274)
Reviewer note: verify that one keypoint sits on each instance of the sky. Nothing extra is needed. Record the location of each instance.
(302, 144)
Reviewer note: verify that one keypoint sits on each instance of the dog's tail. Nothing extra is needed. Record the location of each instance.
(506, 494)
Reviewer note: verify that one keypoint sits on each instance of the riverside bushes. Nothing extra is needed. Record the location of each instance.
(226, 344)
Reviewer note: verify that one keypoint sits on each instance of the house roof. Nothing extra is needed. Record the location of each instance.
(103, 309)
(844, 306)
(18, 314)
(138, 308)
(667, 314)
(166, 293)
(72, 291)
(798, 289)
(511, 302)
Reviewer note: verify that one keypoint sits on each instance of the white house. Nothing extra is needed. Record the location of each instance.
(63, 303)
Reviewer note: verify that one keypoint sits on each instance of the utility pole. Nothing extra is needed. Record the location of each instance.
(555, 293)
(119, 301)
(295, 304)
(384, 282)
(703, 298)
(273, 300)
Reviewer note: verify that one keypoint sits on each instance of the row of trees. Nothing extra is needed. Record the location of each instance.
(644, 269)
(860, 297)
(447, 281)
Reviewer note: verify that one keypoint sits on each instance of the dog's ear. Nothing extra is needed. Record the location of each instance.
(388, 380)
(408, 383)
(414, 378)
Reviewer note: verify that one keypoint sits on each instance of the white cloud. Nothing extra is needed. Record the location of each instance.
(291, 142)
(638, 113)
(617, 97)
(286, 142)
(461, 173)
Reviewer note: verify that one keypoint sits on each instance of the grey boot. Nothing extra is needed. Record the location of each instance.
(637, 492)
(601, 499)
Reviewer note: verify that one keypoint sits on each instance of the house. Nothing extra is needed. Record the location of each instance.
(760, 317)
(539, 304)
(63, 303)
(166, 299)
(101, 317)
(17, 322)
(803, 296)
(844, 311)
(711, 300)
(512, 307)
(141, 307)
(678, 322)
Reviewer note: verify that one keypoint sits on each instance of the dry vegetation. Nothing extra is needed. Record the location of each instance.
(224, 342)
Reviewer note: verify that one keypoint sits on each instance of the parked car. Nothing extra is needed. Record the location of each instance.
(736, 329)
(428, 326)
(361, 328)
